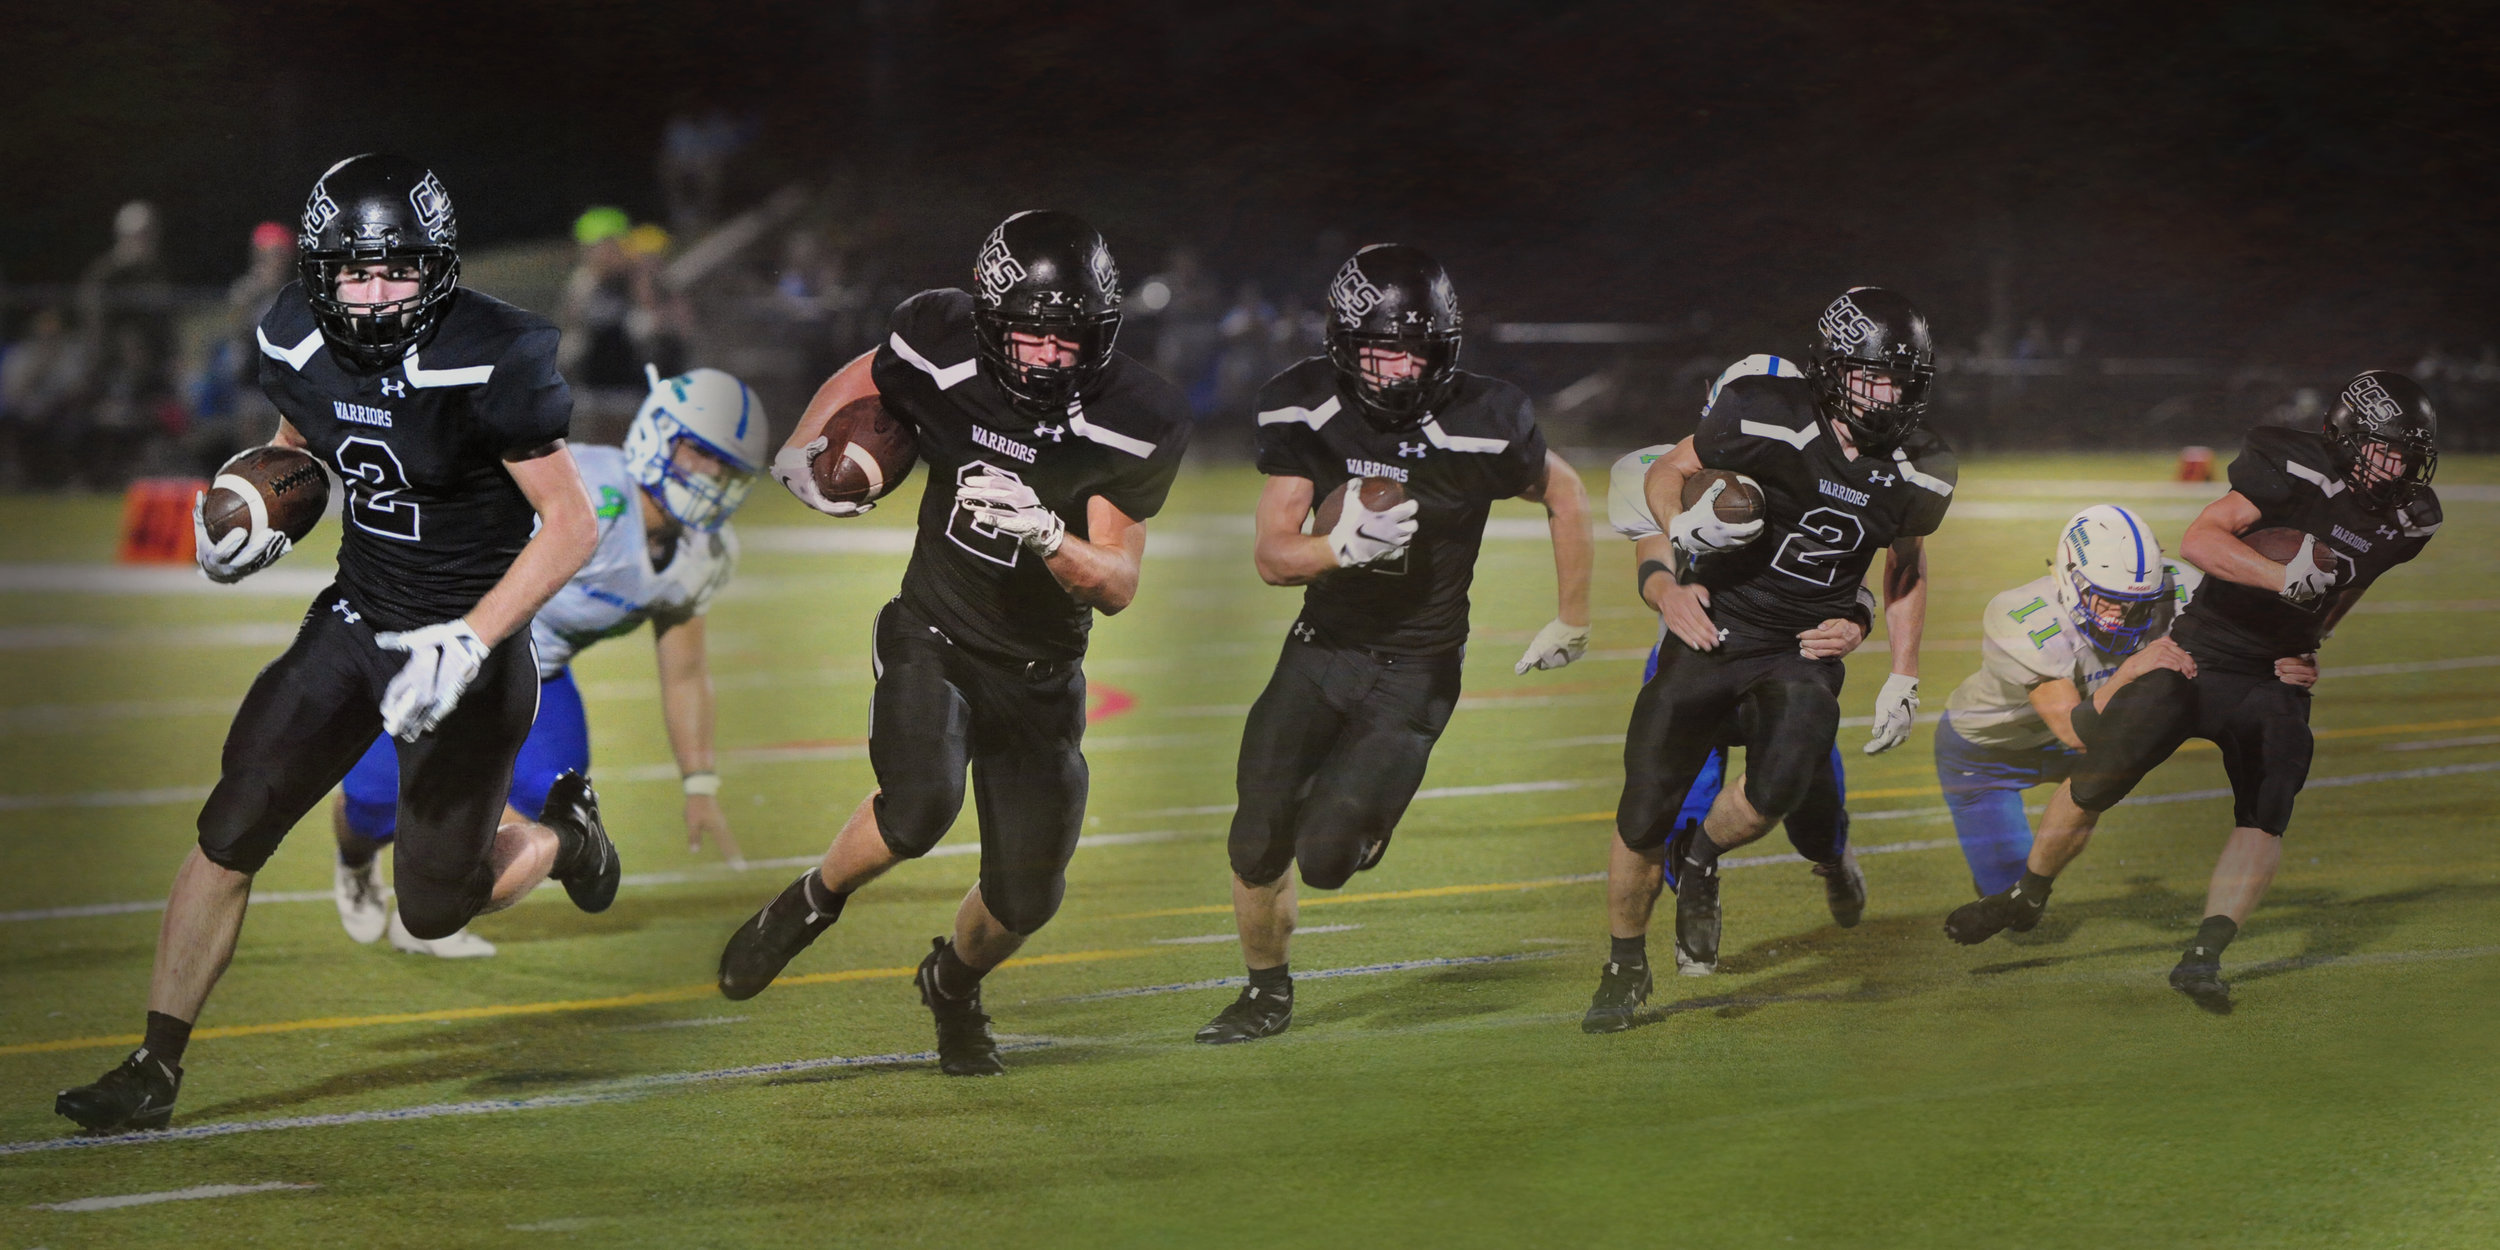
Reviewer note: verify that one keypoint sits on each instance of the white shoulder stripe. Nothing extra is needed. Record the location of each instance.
(418, 375)
(1312, 417)
(296, 356)
(1461, 442)
(946, 378)
(1910, 472)
(1079, 426)
(1794, 438)
(2331, 486)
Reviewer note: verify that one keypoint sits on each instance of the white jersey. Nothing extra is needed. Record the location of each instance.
(1627, 498)
(2027, 641)
(617, 590)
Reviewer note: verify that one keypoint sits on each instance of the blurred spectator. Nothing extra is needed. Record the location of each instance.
(661, 321)
(43, 385)
(694, 166)
(813, 295)
(1246, 332)
(1185, 303)
(228, 409)
(598, 355)
(125, 302)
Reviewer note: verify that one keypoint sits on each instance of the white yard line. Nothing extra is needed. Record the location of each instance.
(1209, 939)
(119, 1201)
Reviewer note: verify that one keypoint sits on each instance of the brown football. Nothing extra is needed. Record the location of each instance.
(2282, 542)
(867, 453)
(1379, 494)
(292, 488)
(1739, 503)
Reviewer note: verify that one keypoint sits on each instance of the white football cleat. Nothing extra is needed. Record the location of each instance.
(461, 945)
(362, 910)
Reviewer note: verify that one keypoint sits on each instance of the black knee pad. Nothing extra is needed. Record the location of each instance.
(2145, 721)
(1023, 905)
(1794, 722)
(1330, 863)
(1259, 855)
(913, 815)
(2271, 763)
(233, 830)
(431, 909)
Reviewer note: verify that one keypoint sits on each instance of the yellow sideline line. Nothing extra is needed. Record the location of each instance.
(447, 1015)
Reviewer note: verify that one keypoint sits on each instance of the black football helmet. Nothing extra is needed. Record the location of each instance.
(2386, 409)
(1394, 297)
(1870, 330)
(369, 208)
(1045, 273)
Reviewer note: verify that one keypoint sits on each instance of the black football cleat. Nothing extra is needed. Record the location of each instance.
(1254, 1015)
(139, 1094)
(964, 1044)
(1696, 911)
(1977, 921)
(769, 940)
(1844, 888)
(1621, 989)
(591, 881)
(2201, 981)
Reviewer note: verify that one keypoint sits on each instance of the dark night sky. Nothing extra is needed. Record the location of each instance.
(2260, 178)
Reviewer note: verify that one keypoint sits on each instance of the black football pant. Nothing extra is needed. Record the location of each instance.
(1331, 755)
(1786, 712)
(939, 708)
(2260, 722)
(312, 712)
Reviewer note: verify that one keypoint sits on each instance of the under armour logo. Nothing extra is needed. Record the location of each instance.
(1415, 450)
(2387, 531)
(349, 614)
(1303, 632)
(1881, 478)
(1723, 635)
(395, 388)
(1053, 432)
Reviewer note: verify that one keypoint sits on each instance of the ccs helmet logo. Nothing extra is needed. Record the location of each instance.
(433, 205)
(320, 210)
(999, 270)
(1106, 273)
(2370, 401)
(1844, 325)
(1352, 295)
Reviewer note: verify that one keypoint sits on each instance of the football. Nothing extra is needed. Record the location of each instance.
(2282, 542)
(285, 485)
(867, 453)
(1379, 494)
(1739, 503)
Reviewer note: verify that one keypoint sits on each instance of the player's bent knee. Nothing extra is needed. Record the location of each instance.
(1329, 866)
(431, 910)
(912, 817)
(1023, 907)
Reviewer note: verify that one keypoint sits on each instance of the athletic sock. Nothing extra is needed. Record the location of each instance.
(827, 903)
(360, 852)
(955, 978)
(166, 1037)
(2211, 937)
(1276, 982)
(570, 843)
(2033, 890)
(1631, 952)
(1701, 854)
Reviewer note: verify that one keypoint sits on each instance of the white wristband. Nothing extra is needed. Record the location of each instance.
(705, 784)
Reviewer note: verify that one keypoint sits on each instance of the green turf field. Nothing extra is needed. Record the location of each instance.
(1877, 1086)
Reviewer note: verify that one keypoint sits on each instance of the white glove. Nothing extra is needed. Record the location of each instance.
(1698, 531)
(1009, 506)
(795, 469)
(245, 550)
(442, 661)
(1364, 537)
(2303, 578)
(1896, 709)
(1554, 646)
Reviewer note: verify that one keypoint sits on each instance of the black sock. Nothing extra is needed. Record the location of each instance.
(955, 978)
(1700, 853)
(356, 852)
(1631, 952)
(569, 845)
(2033, 890)
(2211, 936)
(165, 1039)
(1276, 982)
(827, 903)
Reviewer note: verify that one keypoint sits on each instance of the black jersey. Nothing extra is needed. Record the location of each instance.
(2294, 478)
(1828, 514)
(1481, 445)
(1121, 440)
(432, 517)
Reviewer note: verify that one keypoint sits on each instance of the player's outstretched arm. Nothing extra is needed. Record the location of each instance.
(1905, 620)
(567, 534)
(1285, 555)
(2055, 700)
(807, 441)
(1101, 572)
(686, 708)
(1566, 502)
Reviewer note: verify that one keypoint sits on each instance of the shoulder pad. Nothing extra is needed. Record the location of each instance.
(1135, 414)
(2420, 518)
(1757, 365)
(1483, 410)
(932, 332)
(1763, 406)
(1304, 394)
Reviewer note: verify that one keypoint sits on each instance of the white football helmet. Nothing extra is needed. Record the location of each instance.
(713, 413)
(2111, 579)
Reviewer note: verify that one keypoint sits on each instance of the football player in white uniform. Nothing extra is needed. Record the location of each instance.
(663, 503)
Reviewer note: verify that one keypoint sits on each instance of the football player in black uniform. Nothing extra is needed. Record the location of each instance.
(1757, 610)
(441, 410)
(2359, 489)
(1047, 451)
(1338, 741)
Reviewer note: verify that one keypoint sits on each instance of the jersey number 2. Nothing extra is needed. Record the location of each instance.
(374, 481)
(1824, 538)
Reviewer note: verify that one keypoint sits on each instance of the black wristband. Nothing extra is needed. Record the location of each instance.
(2087, 721)
(1640, 578)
